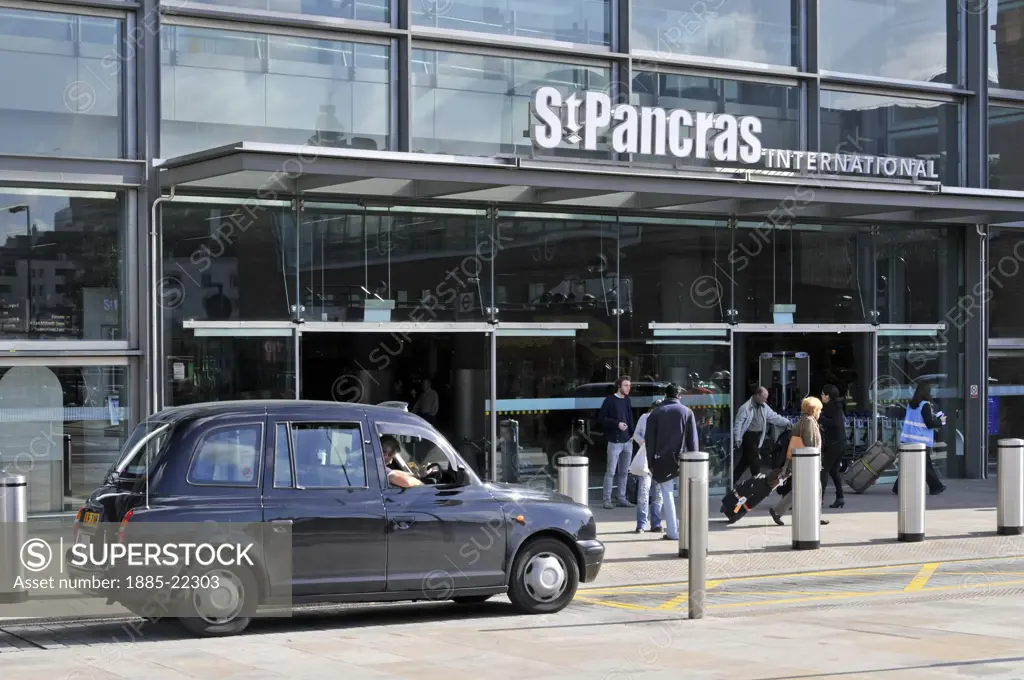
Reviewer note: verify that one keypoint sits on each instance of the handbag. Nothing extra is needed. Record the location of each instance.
(638, 466)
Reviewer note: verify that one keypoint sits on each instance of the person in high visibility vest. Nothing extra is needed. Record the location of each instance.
(919, 425)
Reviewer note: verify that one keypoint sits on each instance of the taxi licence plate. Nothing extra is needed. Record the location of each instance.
(90, 518)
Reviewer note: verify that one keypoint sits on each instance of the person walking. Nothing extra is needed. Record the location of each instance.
(919, 425)
(807, 436)
(648, 495)
(616, 418)
(671, 431)
(752, 421)
(833, 432)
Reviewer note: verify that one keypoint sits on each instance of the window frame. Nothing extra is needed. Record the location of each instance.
(260, 455)
(291, 455)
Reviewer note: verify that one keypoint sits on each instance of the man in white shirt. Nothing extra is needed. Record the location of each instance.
(428, 404)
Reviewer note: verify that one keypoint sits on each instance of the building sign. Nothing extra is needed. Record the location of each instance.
(588, 118)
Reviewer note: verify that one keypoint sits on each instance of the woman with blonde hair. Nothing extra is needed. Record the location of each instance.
(806, 435)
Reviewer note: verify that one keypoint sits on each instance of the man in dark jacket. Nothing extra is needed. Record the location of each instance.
(671, 431)
(616, 417)
(833, 432)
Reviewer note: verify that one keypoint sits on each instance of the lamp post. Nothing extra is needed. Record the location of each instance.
(28, 260)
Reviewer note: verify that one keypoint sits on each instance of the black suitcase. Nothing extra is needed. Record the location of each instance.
(632, 488)
(748, 494)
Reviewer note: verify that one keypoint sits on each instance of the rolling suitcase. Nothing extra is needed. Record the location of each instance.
(747, 494)
(632, 488)
(864, 472)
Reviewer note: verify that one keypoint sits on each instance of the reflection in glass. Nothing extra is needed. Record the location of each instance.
(900, 39)
(756, 31)
(825, 270)
(576, 21)
(61, 265)
(893, 126)
(917, 272)
(361, 10)
(1006, 262)
(228, 261)
(62, 77)
(1005, 166)
(1005, 43)
(777, 106)
(62, 427)
(224, 368)
(1005, 397)
(903, 362)
(220, 87)
(480, 105)
(417, 264)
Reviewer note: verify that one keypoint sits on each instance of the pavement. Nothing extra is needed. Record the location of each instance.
(862, 606)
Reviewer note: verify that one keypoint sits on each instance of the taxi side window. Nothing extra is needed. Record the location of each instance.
(328, 455)
(419, 449)
(282, 459)
(228, 456)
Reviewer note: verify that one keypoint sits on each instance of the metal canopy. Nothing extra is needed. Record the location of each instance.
(324, 173)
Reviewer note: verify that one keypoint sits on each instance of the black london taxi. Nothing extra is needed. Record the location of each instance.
(360, 531)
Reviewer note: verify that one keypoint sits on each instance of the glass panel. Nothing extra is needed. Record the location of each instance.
(1005, 398)
(443, 377)
(904, 362)
(361, 10)
(328, 456)
(543, 406)
(282, 459)
(825, 270)
(227, 368)
(227, 261)
(1005, 168)
(480, 106)
(757, 31)
(415, 264)
(576, 21)
(1005, 42)
(221, 87)
(63, 427)
(61, 265)
(228, 456)
(777, 106)
(63, 73)
(1005, 258)
(917, 270)
(893, 126)
(901, 39)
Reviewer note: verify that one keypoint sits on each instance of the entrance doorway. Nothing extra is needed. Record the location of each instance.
(792, 366)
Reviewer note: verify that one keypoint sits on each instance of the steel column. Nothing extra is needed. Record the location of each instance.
(972, 321)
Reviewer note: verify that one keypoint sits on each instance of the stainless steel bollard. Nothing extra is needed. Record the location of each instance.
(912, 493)
(697, 524)
(13, 534)
(1010, 494)
(694, 466)
(806, 499)
(574, 478)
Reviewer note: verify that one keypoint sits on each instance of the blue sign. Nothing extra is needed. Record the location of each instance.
(993, 415)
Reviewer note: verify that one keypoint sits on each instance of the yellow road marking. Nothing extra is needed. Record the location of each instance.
(617, 605)
(922, 578)
(683, 597)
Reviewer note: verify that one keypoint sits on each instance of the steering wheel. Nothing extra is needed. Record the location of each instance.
(430, 473)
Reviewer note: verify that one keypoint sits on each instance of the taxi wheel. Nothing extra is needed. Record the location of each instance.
(545, 576)
(226, 608)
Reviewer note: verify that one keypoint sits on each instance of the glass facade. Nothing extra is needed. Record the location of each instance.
(857, 76)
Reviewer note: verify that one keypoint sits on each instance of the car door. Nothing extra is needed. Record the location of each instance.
(323, 482)
(440, 536)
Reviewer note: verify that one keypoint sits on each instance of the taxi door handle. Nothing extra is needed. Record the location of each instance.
(403, 522)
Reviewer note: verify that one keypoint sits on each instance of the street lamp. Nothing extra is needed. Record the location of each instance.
(28, 259)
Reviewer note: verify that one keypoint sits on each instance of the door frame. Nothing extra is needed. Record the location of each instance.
(295, 330)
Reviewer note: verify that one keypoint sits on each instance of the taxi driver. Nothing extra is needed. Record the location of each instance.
(397, 473)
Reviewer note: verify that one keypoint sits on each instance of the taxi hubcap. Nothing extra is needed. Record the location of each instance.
(221, 603)
(544, 577)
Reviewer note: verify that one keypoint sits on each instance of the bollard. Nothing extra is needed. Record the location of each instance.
(695, 466)
(1010, 494)
(912, 493)
(806, 499)
(13, 534)
(574, 478)
(697, 524)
